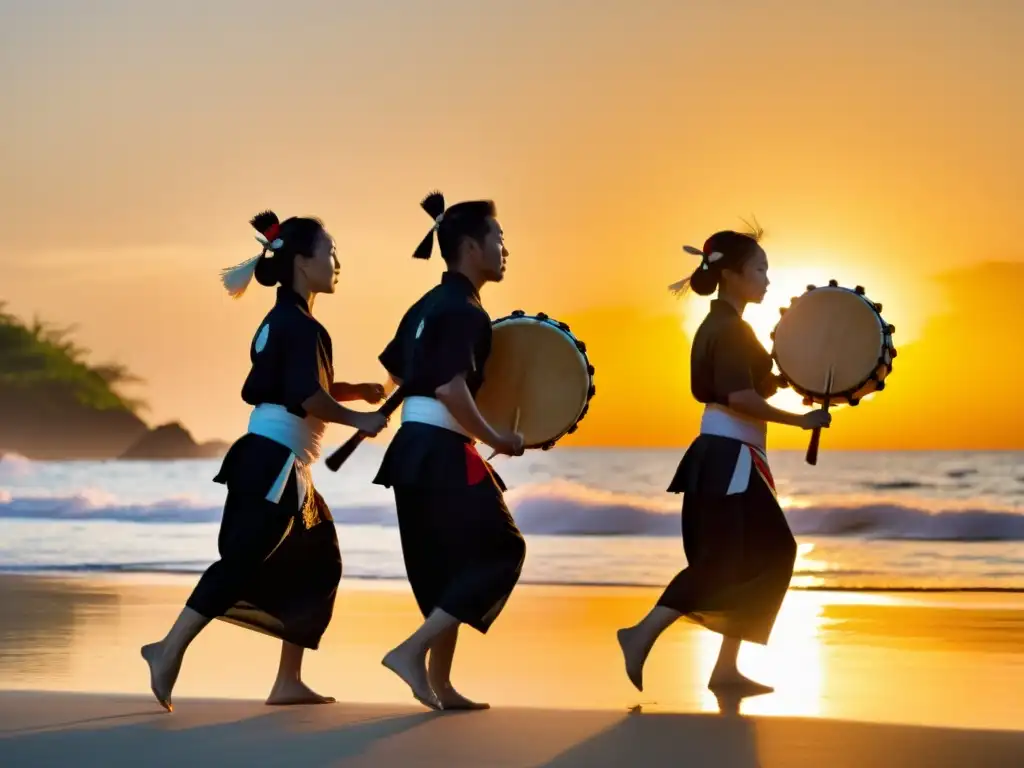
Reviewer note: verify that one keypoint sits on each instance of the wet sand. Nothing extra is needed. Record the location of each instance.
(862, 679)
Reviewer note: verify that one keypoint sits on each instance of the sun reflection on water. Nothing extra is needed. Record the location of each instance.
(805, 567)
(791, 662)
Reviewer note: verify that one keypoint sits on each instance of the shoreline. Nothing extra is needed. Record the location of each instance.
(861, 679)
(886, 680)
(959, 658)
(186, 576)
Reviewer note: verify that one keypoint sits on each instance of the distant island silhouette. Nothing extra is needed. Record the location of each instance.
(54, 405)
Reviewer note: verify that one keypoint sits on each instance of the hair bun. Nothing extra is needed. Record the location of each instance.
(266, 271)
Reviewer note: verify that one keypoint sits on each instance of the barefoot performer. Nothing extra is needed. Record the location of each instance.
(463, 552)
(739, 549)
(279, 563)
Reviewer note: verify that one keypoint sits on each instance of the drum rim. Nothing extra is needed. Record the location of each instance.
(581, 350)
(846, 395)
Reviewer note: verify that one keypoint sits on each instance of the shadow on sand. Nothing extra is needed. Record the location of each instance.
(725, 740)
(277, 738)
(122, 733)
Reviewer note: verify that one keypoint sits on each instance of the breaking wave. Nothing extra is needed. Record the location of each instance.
(570, 509)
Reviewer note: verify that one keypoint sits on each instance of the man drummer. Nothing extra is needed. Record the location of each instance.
(463, 552)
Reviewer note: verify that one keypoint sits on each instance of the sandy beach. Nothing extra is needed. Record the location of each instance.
(861, 679)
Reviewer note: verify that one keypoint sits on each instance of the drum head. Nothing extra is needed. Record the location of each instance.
(539, 368)
(832, 326)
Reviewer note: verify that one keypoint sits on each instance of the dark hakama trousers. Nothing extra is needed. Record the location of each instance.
(739, 549)
(279, 565)
(463, 552)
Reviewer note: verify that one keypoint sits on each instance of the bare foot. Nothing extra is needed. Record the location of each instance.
(412, 668)
(737, 685)
(162, 673)
(634, 654)
(452, 699)
(289, 692)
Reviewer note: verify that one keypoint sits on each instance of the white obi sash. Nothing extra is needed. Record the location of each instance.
(428, 410)
(300, 436)
(723, 422)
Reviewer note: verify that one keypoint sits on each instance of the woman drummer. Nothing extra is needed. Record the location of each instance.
(739, 549)
(279, 563)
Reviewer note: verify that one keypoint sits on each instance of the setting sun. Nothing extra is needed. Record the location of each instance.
(676, 573)
(786, 283)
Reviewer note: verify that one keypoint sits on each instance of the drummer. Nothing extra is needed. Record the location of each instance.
(739, 549)
(463, 552)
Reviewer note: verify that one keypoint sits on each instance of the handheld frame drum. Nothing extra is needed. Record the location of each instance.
(832, 346)
(538, 379)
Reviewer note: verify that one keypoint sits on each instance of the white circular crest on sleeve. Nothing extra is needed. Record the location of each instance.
(261, 338)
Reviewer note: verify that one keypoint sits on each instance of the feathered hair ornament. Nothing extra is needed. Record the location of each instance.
(707, 257)
(237, 278)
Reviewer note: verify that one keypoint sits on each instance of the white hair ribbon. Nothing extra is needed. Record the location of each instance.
(708, 258)
(270, 245)
(437, 221)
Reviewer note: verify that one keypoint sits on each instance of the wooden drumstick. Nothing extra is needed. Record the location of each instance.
(812, 448)
(515, 426)
(340, 456)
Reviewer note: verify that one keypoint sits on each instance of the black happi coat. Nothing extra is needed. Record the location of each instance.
(445, 333)
(739, 549)
(279, 563)
(463, 552)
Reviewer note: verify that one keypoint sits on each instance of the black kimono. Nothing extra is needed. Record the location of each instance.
(463, 552)
(739, 549)
(279, 564)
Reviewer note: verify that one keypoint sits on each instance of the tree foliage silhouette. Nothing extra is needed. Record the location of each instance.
(41, 363)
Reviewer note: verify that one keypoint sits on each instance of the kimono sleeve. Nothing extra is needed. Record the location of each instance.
(393, 356)
(731, 363)
(449, 345)
(306, 367)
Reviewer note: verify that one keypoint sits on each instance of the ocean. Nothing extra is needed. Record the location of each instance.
(864, 520)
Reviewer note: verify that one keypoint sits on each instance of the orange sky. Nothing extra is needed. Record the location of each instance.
(878, 145)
